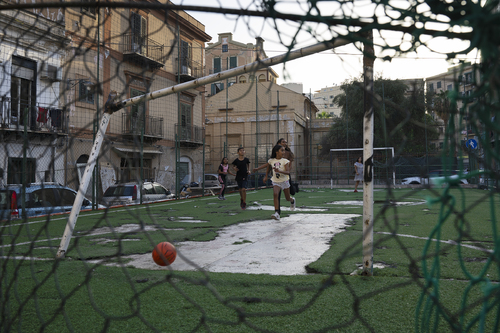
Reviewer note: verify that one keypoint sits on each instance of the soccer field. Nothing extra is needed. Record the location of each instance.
(239, 270)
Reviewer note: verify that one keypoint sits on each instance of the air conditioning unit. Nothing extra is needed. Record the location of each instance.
(51, 73)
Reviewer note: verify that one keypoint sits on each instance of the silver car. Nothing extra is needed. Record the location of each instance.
(212, 180)
(129, 194)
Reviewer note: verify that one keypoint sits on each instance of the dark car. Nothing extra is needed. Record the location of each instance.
(129, 194)
(40, 199)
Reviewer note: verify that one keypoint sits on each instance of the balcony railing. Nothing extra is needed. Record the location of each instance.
(190, 134)
(189, 69)
(38, 117)
(134, 125)
(142, 50)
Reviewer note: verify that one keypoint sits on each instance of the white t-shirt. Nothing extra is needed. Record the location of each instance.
(280, 164)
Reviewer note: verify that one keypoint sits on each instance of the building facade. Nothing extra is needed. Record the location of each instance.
(77, 57)
(227, 54)
(323, 99)
(254, 116)
(33, 126)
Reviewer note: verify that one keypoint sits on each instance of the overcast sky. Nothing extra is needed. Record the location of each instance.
(326, 68)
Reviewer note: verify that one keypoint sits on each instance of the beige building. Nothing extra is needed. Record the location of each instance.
(254, 119)
(323, 99)
(60, 66)
(227, 53)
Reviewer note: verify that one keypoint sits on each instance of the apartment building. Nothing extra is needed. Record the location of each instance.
(58, 67)
(31, 54)
(323, 99)
(227, 53)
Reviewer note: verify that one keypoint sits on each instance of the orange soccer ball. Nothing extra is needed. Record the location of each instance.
(164, 254)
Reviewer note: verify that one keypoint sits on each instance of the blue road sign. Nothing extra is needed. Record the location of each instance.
(471, 143)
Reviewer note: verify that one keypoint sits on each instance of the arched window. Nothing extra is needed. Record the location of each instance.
(243, 79)
(262, 78)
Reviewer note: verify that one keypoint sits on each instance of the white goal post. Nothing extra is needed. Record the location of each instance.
(357, 149)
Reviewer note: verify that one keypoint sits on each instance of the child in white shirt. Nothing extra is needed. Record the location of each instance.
(280, 179)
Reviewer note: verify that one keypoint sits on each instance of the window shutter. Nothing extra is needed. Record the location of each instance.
(233, 62)
(217, 65)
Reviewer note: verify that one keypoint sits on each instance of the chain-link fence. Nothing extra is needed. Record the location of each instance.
(60, 64)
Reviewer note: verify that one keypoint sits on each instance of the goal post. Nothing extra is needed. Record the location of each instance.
(347, 158)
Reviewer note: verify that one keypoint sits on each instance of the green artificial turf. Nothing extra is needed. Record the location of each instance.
(425, 285)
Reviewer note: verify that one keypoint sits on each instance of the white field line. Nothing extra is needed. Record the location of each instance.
(449, 241)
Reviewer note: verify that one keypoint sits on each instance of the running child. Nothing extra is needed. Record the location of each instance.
(280, 179)
(223, 171)
(241, 166)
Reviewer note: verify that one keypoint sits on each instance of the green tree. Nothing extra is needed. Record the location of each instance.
(400, 118)
(324, 115)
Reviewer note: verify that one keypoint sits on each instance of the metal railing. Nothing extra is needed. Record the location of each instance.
(37, 116)
(133, 43)
(190, 133)
(189, 67)
(133, 125)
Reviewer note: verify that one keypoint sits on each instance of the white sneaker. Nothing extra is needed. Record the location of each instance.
(292, 205)
(276, 216)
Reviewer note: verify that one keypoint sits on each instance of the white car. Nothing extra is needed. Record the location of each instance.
(414, 181)
(129, 194)
(435, 177)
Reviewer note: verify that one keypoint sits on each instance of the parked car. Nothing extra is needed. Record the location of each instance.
(436, 176)
(413, 181)
(129, 194)
(40, 199)
(212, 180)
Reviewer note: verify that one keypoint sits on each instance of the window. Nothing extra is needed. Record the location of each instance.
(468, 78)
(224, 48)
(86, 93)
(136, 120)
(22, 90)
(262, 78)
(67, 197)
(15, 171)
(160, 190)
(216, 88)
(186, 58)
(233, 62)
(138, 29)
(88, 10)
(449, 87)
(331, 96)
(243, 79)
(438, 84)
(186, 117)
(217, 65)
(431, 86)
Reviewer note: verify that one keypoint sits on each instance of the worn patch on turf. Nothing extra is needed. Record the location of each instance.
(283, 247)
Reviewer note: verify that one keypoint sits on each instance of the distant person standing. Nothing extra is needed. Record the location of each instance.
(242, 167)
(223, 171)
(358, 171)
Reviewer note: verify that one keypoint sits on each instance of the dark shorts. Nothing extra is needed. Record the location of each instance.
(242, 184)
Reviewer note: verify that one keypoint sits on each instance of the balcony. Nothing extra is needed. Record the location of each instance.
(142, 51)
(132, 126)
(38, 117)
(190, 70)
(189, 135)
